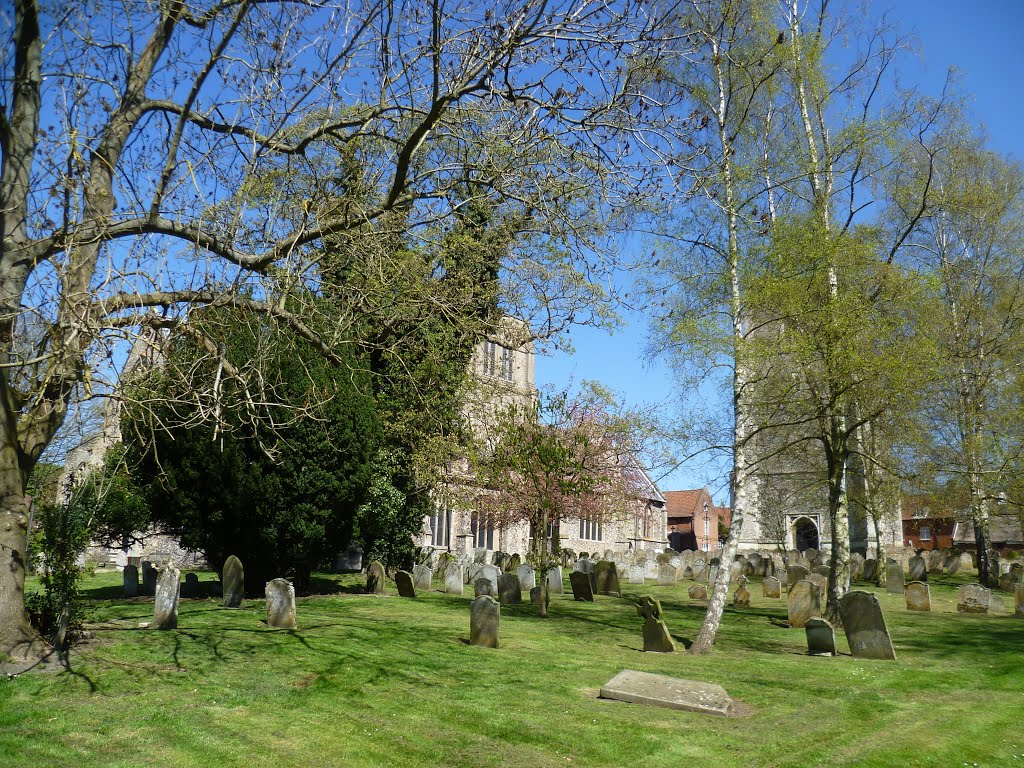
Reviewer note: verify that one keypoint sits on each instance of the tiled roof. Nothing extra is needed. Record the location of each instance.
(686, 503)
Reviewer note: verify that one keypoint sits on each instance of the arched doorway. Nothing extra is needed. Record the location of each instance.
(805, 534)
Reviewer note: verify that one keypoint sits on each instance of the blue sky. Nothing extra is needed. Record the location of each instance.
(981, 39)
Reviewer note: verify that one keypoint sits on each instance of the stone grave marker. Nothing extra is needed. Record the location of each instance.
(422, 577)
(375, 577)
(453, 580)
(804, 603)
(349, 560)
(667, 575)
(483, 586)
(973, 598)
(893, 577)
(280, 604)
(636, 574)
(191, 586)
(741, 598)
(148, 578)
(865, 627)
(671, 692)
(555, 581)
(1018, 600)
(165, 606)
(535, 596)
(509, 590)
(821, 581)
(952, 564)
(795, 573)
(822, 570)
(1007, 582)
(581, 586)
(771, 587)
(698, 592)
(605, 578)
(712, 574)
(527, 576)
(130, 578)
(871, 570)
(484, 621)
(856, 567)
(821, 638)
(936, 559)
(232, 581)
(404, 582)
(918, 596)
(491, 573)
(918, 568)
(656, 636)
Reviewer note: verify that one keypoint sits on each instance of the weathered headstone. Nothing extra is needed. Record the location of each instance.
(555, 581)
(973, 598)
(483, 586)
(349, 560)
(636, 574)
(510, 592)
(893, 577)
(484, 621)
(871, 570)
(535, 595)
(581, 586)
(771, 587)
(527, 576)
(606, 578)
(698, 592)
(804, 603)
(918, 568)
(821, 638)
(1007, 582)
(130, 577)
(375, 577)
(422, 577)
(165, 606)
(191, 586)
(404, 582)
(489, 572)
(232, 580)
(148, 578)
(822, 570)
(453, 582)
(951, 564)
(656, 636)
(667, 575)
(821, 581)
(918, 596)
(280, 604)
(1018, 600)
(795, 573)
(741, 598)
(865, 627)
(671, 692)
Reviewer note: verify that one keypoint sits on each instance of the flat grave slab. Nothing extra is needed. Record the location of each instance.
(671, 692)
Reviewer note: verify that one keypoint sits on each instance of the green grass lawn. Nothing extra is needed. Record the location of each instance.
(385, 681)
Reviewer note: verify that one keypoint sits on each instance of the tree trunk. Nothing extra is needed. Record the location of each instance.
(839, 521)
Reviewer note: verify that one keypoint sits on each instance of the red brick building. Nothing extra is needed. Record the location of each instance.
(692, 520)
(926, 523)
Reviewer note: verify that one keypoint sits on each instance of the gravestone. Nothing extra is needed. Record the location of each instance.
(165, 606)
(130, 577)
(484, 586)
(581, 586)
(871, 570)
(821, 638)
(804, 603)
(712, 574)
(453, 582)
(584, 565)
(535, 595)
(671, 692)
(191, 586)
(605, 579)
(1018, 600)
(810, 554)
(864, 626)
(918, 568)
(404, 582)
(821, 581)
(893, 577)
(936, 559)
(280, 604)
(856, 567)
(480, 555)
(509, 590)
(700, 570)
(973, 598)
(918, 596)
(484, 620)
(527, 576)
(966, 562)
(952, 564)
(148, 578)
(656, 636)
(667, 575)
(232, 580)
(741, 598)
(636, 574)
(422, 577)
(795, 573)
(698, 592)
(514, 562)
(555, 581)
(771, 587)
(491, 573)
(349, 560)
(1007, 582)
(663, 558)
(822, 570)
(375, 576)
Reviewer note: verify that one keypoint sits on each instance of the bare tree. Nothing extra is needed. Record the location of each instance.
(153, 152)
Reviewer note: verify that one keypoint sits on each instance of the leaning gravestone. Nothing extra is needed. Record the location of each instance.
(422, 577)
(606, 578)
(636, 574)
(865, 626)
(527, 576)
(148, 578)
(581, 586)
(509, 590)
(698, 592)
(918, 596)
(804, 603)
(821, 638)
(871, 570)
(741, 599)
(973, 598)
(165, 606)
(918, 568)
(484, 620)
(667, 575)
(453, 582)
(555, 581)
(130, 576)
(484, 586)
(406, 587)
(893, 577)
(656, 636)
(671, 692)
(280, 604)
(771, 587)
(375, 576)
(232, 580)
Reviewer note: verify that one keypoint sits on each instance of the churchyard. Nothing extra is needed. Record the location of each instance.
(374, 680)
